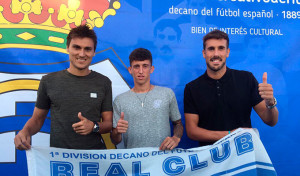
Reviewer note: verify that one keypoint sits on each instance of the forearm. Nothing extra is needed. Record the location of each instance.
(33, 126)
(203, 135)
(105, 127)
(178, 129)
(35, 123)
(270, 116)
(200, 134)
(115, 136)
(106, 124)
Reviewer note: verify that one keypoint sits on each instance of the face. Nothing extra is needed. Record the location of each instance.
(166, 40)
(81, 51)
(257, 48)
(140, 71)
(215, 54)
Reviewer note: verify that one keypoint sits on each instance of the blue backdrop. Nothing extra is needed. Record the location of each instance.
(263, 38)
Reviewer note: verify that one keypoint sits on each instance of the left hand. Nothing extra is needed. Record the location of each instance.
(266, 91)
(169, 143)
(84, 127)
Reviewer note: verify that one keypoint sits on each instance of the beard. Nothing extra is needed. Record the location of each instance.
(215, 69)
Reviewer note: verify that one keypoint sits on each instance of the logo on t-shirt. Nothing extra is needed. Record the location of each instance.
(157, 103)
(93, 95)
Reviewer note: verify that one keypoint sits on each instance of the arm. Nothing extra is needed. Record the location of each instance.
(171, 142)
(106, 124)
(122, 126)
(32, 126)
(269, 116)
(200, 134)
(115, 136)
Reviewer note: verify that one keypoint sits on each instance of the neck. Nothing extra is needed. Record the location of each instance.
(78, 72)
(142, 88)
(216, 74)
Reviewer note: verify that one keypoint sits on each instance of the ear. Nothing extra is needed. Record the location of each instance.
(203, 53)
(228, 51)
(152, 69)
(67, 49)
(129, 69)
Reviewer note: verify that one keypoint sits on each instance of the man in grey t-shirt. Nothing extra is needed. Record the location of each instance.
(78, 98)
(142, 114)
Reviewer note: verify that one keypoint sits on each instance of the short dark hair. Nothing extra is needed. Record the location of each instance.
(215, 34)
(82, 31)
(140, 54)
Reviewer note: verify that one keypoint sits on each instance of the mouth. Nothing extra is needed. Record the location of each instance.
(216, 60)
(81, 59)
(141, 77)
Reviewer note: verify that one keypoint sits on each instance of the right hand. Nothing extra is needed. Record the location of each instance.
(122, 125)
(22, 141)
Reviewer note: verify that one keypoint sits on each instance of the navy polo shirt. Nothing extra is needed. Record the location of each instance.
(224, 104)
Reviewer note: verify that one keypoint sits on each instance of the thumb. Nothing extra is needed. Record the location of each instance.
(265, 77)
(80, 116)
(122, 116)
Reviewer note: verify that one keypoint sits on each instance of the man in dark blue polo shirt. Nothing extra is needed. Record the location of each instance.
(221, 99)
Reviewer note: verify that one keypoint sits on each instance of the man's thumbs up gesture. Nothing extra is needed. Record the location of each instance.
(122, 125)
(83, 127)
(266, 91)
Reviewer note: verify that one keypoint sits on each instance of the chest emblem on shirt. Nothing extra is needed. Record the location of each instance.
(93, 95)
(157, 104)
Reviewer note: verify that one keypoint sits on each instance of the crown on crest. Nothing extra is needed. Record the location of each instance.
(44, 24)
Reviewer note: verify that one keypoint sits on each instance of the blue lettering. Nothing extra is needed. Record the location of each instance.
(61, 168)
(66, 155)
(215, 154)
(244, 143)
(89, 169)
(119, 155)
(167, 165)
(112, 156)
(115, 169)
(126, 156)
(195, 165)
(136, 169)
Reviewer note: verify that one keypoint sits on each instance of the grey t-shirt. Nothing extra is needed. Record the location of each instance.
(149, 125)
(66, 95)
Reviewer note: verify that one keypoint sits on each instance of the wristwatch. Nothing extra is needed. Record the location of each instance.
(96, 127)
(271, 107)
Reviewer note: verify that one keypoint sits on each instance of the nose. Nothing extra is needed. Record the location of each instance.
(217, 53)
(141, 70)
(81, 53)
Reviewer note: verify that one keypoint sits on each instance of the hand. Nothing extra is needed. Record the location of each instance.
(266, 91)
(22, 141)
(84, 127)
(169, 143)
(122, 125)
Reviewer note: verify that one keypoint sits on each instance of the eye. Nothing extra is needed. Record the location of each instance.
(77, 47)
(136, 67)
(211, 48)
(161, 36)
(88, 49)
(172, 37)
(222, 48)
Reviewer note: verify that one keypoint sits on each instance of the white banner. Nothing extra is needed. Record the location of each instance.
(239, 153)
